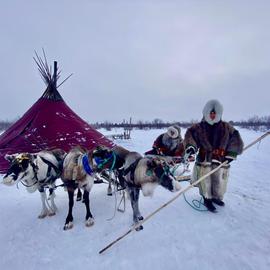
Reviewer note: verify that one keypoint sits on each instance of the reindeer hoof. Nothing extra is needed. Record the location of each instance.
(41, 216)
(51, 214)
(78, 199)
(177, 186)
(139, 228)
(68, 226)
(109, 191)
(89, 222)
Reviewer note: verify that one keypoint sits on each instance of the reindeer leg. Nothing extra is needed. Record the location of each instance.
(89, 221)
(53, 207)
(79, 195)
(44, 211)
(69, 219)
(134, 194)
(109, 190)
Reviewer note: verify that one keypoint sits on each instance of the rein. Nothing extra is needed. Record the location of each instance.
(26, 185)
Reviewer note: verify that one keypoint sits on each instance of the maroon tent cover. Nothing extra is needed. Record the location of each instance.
(48, 124)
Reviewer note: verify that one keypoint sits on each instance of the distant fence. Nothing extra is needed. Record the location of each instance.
(126, 135)
(253, 126)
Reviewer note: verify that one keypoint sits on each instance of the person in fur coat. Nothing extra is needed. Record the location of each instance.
(214, 141)
(169, 143)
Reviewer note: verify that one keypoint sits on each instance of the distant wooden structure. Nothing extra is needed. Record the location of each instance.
(127, 129)
(126, 135)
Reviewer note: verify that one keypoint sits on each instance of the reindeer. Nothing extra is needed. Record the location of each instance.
(136, 173)
(78, 172)
(112, 160)
(145, 173)
(36, 171)
(79, 168)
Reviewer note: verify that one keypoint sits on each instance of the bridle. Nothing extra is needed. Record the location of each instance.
(102, 162)
(35, 169)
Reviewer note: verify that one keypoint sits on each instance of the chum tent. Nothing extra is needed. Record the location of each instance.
(48, 124)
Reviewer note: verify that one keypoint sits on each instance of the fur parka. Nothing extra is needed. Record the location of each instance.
(214, 141)
(169, 146)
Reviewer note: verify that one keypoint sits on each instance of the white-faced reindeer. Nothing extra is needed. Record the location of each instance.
(36, 171)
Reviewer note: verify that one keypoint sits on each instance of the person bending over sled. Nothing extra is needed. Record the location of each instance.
(169, 143)
(216, 141)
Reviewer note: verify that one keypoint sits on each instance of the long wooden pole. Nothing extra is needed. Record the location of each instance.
(180, 193)
(55, 74)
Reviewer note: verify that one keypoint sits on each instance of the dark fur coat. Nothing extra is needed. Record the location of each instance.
(167, 146)
(214, 141)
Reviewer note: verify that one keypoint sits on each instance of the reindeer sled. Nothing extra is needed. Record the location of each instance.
(179, 165)
(169, 146)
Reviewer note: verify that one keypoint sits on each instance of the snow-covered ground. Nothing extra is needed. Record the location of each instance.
(178, 237)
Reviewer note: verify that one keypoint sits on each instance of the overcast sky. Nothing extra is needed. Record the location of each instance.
(139, 59)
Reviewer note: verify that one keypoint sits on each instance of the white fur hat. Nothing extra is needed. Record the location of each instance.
(212, 105)
(173, 132)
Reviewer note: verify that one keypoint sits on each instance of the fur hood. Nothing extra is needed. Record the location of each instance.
(209, 106)
(174, 132)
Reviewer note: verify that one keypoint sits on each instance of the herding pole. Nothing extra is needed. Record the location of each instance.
(180, 193)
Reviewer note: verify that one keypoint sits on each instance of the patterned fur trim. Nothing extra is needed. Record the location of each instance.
(230, 157)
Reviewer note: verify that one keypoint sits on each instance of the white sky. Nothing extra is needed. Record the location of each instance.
(139, 59)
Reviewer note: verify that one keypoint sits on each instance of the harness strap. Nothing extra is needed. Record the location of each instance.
(26, 185)
(101, 162)
(50, 166)
(131, 169)
(35, 168)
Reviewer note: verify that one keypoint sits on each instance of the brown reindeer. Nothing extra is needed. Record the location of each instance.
(137, 173)
(78, 169)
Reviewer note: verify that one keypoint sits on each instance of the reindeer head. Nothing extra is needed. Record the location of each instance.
(102, 157)
(18, 169)
(161, 174)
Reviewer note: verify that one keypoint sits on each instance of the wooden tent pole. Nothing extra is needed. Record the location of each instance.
(55, 74)
(180, 193)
